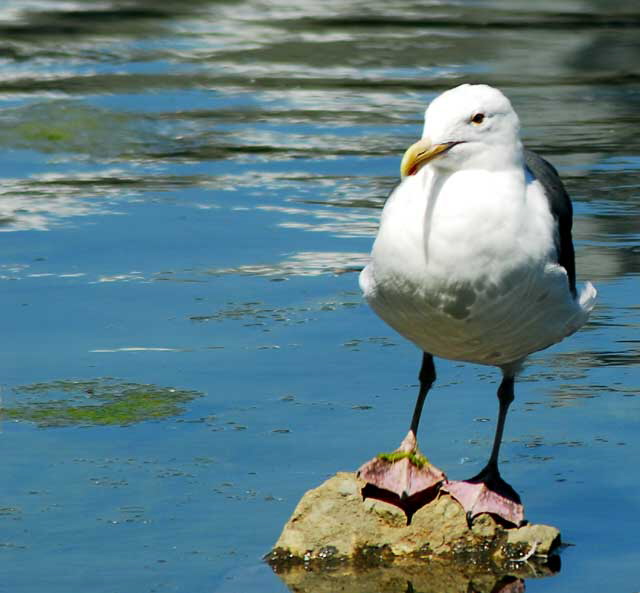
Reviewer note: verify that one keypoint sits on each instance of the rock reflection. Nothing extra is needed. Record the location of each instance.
(428, 577)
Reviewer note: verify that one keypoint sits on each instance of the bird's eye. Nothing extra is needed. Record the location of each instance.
(478, 118)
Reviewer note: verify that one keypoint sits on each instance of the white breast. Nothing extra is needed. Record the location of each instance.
(469, 275)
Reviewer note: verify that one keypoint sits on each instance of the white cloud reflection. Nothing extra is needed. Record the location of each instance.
(306, 263)
(42, 202)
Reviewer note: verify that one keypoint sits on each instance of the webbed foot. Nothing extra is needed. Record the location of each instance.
(404, 478)
(487, 493)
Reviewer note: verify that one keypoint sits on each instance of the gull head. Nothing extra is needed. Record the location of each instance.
(472, 126)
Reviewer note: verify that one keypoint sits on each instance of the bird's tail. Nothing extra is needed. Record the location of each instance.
(587, 298)
(585, 302)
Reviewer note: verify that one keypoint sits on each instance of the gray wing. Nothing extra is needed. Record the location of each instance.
(560, 206)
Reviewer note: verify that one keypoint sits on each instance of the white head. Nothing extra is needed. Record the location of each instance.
(467, 127)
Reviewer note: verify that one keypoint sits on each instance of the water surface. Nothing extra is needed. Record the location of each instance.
(186, 192)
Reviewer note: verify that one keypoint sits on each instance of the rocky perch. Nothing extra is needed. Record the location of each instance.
(334, 539)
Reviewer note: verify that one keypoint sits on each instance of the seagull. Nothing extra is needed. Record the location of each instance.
(474, 262)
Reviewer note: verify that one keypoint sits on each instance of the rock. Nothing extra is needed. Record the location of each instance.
(332, 528)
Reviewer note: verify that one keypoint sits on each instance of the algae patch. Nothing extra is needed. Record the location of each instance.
(68, 126)
(94, 402)
(416, 458)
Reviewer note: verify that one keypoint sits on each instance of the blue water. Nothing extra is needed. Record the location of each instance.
(186, 193)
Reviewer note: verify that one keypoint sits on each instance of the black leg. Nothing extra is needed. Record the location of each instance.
(505, 397)
(427, 377)
(490, 475)
(487, 492)
(405, 477)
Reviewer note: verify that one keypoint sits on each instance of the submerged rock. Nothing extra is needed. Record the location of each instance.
(333, 528)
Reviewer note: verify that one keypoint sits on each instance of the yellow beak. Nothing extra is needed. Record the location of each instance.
(419, 154)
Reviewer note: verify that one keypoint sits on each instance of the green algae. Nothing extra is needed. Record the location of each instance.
(94, 402)
(68, 126)
(416, 459)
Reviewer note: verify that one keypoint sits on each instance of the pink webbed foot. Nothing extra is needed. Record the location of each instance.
(487, 493)
(404, 478)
